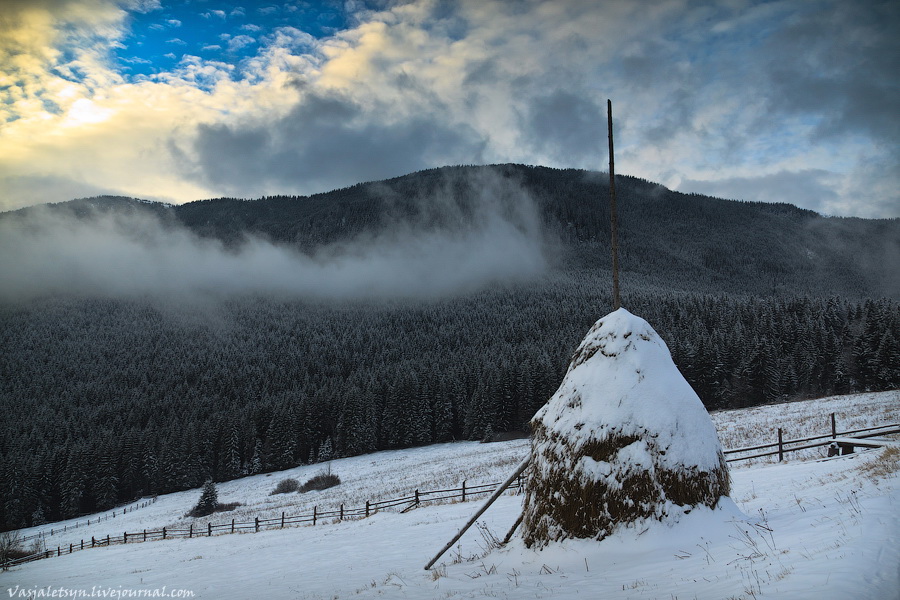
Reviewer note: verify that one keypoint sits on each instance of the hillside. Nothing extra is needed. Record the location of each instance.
(146, 347)
(797, 529)
(668, 239)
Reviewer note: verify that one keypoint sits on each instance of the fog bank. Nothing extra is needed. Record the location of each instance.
(497, 238)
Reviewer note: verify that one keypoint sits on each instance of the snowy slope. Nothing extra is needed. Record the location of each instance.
(802, 529)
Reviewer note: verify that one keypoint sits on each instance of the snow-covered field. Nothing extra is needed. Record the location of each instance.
(799, 529)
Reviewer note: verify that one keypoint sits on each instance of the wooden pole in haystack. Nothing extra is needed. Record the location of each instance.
(613, 219)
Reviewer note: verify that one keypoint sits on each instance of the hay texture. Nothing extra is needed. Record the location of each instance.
(623, 439)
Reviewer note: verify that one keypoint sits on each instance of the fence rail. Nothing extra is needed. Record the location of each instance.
(126, 508)
(782, 446)
(462, 493)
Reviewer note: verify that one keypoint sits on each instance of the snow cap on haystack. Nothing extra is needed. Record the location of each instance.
(624, 438)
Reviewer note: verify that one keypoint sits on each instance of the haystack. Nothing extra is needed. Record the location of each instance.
(623, 439)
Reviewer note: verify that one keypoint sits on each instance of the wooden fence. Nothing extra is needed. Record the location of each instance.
(130, 507)
(781, 446)
(417, 498)
(461, 494)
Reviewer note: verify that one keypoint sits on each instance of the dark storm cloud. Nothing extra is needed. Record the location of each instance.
(327, 141)
(569, 127)
(842, 65)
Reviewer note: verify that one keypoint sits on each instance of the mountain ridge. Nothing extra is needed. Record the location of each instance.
(667, 237)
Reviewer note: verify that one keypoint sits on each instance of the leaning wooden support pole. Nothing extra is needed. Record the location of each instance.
(512, 529)
(481, 510)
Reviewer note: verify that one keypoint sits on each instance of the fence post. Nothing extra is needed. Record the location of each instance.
(93, 541)
(191, 531)
(58, 551)
(780, 445)
(367, 508)
(342, 511)
(833, 427)
(125, 537)
(464, 490)
(232, 526)
(164, 533)
(256, 521)
(70, 548)
(282, 519)
(145, 535)
(82, 544)
(417, 497)
(315, 510)
(107, 539)
(209, 529)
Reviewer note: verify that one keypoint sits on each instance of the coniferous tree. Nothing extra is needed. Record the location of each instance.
(208, 502)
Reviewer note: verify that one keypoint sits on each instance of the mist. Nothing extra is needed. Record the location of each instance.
(498, 238)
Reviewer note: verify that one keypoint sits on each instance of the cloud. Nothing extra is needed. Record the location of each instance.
(563, 125)
(813, 189)
(239, 42)
(136, 60)
(840, 79)
(143, 6)
(314, 144)
(740, 93)
(27, 190)
(137, 256)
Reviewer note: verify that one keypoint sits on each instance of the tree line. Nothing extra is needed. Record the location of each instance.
(108, 400)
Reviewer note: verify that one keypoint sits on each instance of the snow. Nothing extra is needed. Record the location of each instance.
(827, 528)
(622, 380)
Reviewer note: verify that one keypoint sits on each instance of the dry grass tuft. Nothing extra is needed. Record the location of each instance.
(885, 466)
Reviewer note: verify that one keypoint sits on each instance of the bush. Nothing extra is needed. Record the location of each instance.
(286, 486)
(322, 481)
(11, 546)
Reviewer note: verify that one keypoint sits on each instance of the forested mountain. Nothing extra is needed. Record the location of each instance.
(111, 396)
(674, 240)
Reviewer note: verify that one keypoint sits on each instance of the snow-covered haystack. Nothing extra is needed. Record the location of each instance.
(624, 438)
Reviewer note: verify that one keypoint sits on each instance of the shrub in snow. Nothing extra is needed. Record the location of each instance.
(286, 486)
(11, 547)
(624, 438)
(322, 481)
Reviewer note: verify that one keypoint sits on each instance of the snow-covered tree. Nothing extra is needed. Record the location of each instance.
(209, 500)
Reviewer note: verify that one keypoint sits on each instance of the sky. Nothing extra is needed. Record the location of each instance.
(177, 100)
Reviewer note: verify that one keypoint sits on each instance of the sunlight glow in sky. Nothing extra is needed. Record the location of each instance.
(784, 101)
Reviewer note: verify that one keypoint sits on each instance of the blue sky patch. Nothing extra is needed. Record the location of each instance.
(221, 30)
